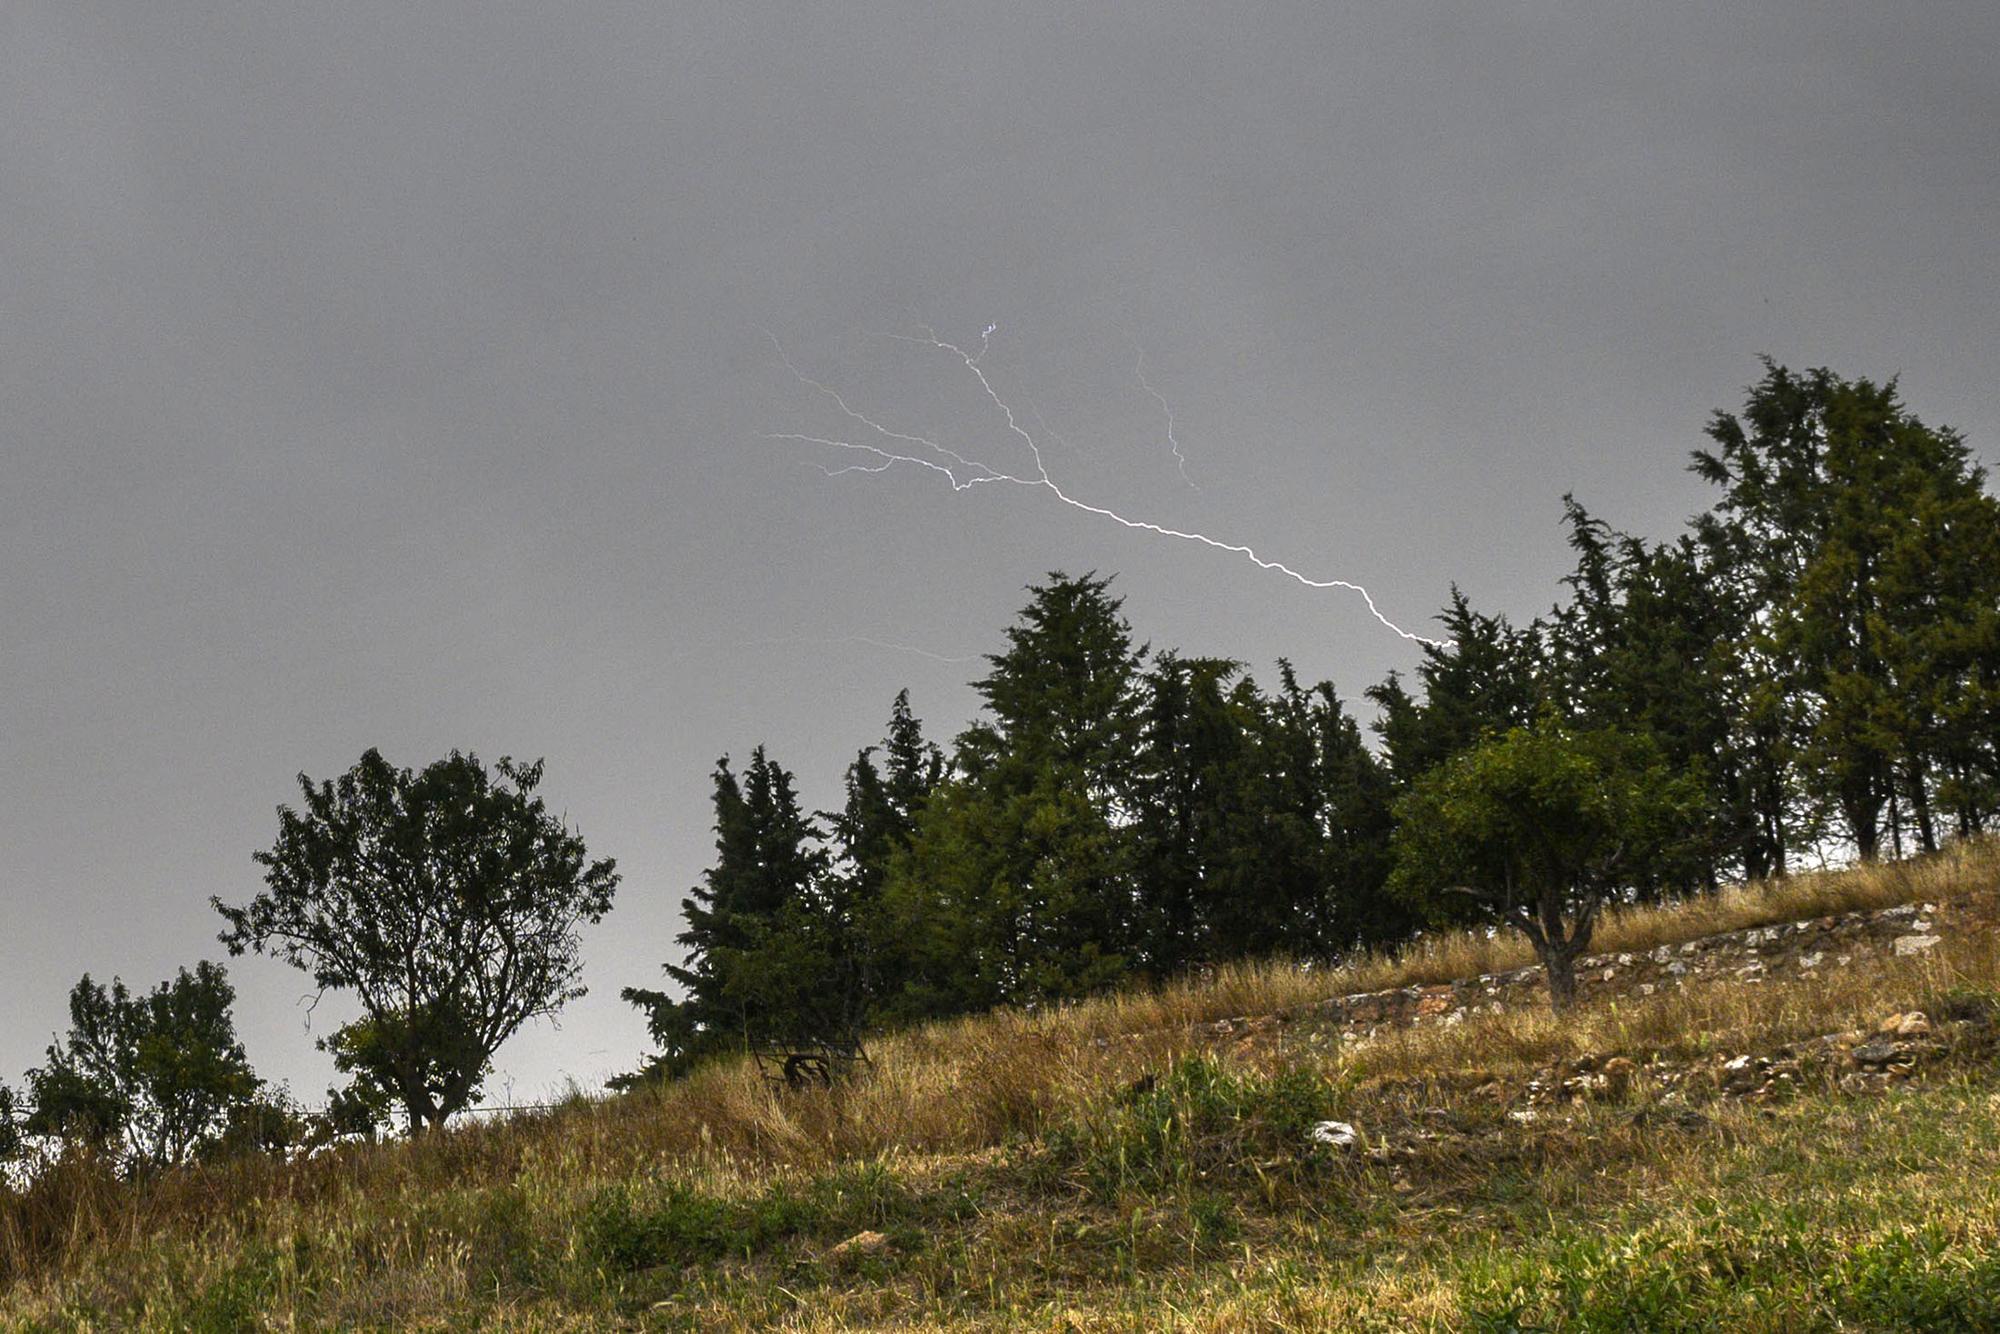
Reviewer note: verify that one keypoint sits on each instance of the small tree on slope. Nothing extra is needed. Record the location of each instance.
(447, 901)
(1536, 829)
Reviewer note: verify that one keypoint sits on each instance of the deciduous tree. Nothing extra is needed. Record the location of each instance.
(447, 901)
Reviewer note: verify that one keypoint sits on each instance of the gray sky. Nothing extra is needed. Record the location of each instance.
(391, 374)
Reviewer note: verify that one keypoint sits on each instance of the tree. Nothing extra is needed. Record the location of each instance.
(1657, 639)
(763, 959)
(160, 1072)
(1485, 676)
(1536, 829)
(1865, 541)
(11, 1143)
(447, 901)
(1262, 822)
(887, 789)
(1018, 885)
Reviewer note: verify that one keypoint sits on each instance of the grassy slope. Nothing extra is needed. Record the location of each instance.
(1020, 1178)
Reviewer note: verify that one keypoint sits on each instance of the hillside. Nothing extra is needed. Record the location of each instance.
(1775, 1109)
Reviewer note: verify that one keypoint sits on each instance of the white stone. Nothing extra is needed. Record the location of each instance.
(1914, 944)
(1337, 1134)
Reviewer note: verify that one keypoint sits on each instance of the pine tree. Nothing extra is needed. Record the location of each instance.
(1483, 678)
(760, 958)
(1018, 886)
(877, 823)
(1862, 538)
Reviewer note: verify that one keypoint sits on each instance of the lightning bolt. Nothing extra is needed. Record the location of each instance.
(964, 474)
(1180, 459)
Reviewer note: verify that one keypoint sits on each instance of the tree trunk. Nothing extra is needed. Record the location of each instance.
(1559, 962)
(1860, 804)
(1920, 805)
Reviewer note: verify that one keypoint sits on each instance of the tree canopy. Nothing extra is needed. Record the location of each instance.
(157, 1075)
(446, 901)
(1536, 829)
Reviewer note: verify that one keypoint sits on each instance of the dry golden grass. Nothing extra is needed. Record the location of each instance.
(411, 1222)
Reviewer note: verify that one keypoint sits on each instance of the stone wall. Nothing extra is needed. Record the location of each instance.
(1786, 950)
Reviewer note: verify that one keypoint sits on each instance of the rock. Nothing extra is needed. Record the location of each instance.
(1336, 1134)
(1907, 945)
(1877, 1052)
(859, 1245)
(1434, 1001)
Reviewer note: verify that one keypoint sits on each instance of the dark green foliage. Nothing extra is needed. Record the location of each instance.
(157, 1076)
(763, 951)
(1484, 677)
(885, 801)
(270, 1122)
(1261, 821)
(448, 901)
(1536, 829)
(10, 1126)
(1106, 819)
(1654, 641)
(1018, 884)
(1814, 663)
(1866, 545)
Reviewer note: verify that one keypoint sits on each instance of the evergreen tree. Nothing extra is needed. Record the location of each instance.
(761, 954)
(1861, 536)
(1483, 677)
(1018, 885)
(877, 822)
(1650, 642)
(1193, 800)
